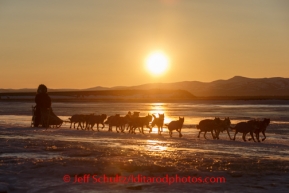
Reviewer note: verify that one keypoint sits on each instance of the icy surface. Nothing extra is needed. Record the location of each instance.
(35, 159)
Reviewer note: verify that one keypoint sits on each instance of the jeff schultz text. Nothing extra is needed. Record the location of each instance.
(89, 178)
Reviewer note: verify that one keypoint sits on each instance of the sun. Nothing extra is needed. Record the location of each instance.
(157, 63)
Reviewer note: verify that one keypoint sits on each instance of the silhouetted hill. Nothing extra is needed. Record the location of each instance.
(32, 90)
(236, 86)
(151, 95)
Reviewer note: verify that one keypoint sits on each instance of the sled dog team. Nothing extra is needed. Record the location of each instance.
(217, 125)
(131, 122)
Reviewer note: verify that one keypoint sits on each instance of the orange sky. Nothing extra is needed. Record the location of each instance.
(82, 44)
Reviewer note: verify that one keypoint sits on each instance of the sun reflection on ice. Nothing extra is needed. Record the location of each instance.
(152, 145)
(152, 142)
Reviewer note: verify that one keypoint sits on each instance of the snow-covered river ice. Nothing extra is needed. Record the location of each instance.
(39, 160)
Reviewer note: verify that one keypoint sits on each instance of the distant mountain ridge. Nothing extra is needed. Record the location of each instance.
(236, 86)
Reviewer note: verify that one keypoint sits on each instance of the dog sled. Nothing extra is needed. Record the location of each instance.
(48, 118)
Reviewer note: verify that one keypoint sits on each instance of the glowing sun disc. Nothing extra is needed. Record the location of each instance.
(157, 63)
